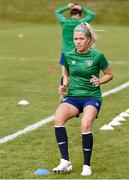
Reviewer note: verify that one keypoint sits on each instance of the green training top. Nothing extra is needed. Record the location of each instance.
(68, 26)
(81, 67)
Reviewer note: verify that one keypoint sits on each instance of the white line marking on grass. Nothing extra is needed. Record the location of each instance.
(119, 88)
(34, 58)
(26, 130)
(119, 62)
(18, 58)
(116, 121)
(50, 118)
(99, 30)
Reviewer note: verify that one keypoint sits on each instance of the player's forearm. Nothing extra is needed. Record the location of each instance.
(58, 13)
(61, 10)
(98, 81)
(66, 81)
(90, 14)
(105, 78)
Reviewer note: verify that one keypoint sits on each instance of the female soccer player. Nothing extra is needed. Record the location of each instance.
(83, 94)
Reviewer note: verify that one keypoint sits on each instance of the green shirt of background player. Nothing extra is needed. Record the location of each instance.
(82, 88)
(68, 25)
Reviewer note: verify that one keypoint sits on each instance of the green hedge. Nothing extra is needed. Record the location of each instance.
(113, 12)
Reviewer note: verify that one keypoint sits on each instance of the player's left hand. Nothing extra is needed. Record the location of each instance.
(94, 80)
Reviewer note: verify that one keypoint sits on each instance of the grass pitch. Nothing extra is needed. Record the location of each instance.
(29, 70)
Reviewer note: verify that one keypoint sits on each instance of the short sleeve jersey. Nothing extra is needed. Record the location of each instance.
(81, 68)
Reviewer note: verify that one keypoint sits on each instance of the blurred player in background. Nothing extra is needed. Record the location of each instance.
(68, 25)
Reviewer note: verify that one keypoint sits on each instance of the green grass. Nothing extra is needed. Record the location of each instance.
(24, 64)
(113, 12)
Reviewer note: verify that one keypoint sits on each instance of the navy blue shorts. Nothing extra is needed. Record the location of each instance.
(81, 103)
(61, 61)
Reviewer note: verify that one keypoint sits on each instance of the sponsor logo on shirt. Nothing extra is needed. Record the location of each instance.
(73, 62)
(89, 63)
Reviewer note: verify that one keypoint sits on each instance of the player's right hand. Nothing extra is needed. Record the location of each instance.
(62, 89)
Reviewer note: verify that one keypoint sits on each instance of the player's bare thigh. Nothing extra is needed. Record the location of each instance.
(89, 115)
(65, 112)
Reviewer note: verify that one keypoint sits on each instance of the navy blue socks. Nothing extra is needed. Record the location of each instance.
(87, 144)
(62, 140)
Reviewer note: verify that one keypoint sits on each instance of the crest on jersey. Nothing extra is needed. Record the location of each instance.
(89, 63)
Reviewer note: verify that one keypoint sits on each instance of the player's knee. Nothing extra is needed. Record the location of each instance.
(86, 127)
(59, 120)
